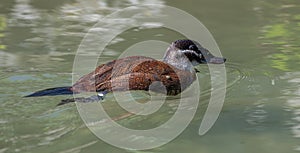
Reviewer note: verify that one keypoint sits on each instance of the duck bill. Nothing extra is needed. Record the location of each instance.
(216, 60)
(212, 60)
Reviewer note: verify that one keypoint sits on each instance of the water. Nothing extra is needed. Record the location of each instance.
(260, 39)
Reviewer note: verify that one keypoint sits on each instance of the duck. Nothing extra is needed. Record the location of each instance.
(171, 75)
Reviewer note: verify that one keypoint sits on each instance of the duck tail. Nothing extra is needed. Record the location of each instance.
(52, 92)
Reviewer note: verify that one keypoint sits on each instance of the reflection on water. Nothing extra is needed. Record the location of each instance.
(38, 40)
(292, 96)
(7, 59)
(23, 11)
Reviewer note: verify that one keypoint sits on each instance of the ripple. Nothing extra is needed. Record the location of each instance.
(150, 25)
(78, 149)
(22, 78)
(53, 135)
(234, 73)
(293, 100)
(240, 71)
(7, 59)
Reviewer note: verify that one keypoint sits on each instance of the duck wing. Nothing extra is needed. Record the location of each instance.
(106, 72)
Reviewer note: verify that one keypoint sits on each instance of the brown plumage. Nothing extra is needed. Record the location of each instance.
(134, 73)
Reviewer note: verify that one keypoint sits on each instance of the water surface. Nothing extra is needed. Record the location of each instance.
(260, 39)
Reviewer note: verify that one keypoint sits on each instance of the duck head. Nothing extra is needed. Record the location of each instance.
(184, 54)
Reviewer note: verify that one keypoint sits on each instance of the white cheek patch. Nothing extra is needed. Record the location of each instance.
(194, 62)
(185, 51)
(191, 52)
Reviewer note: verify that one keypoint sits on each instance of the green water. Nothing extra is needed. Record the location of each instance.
(260, 39)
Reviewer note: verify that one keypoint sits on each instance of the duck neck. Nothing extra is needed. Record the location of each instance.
(178, 59)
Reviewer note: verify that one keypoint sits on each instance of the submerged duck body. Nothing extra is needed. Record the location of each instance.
(171, 75)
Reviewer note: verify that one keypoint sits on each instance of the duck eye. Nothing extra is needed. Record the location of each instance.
(192, 47)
